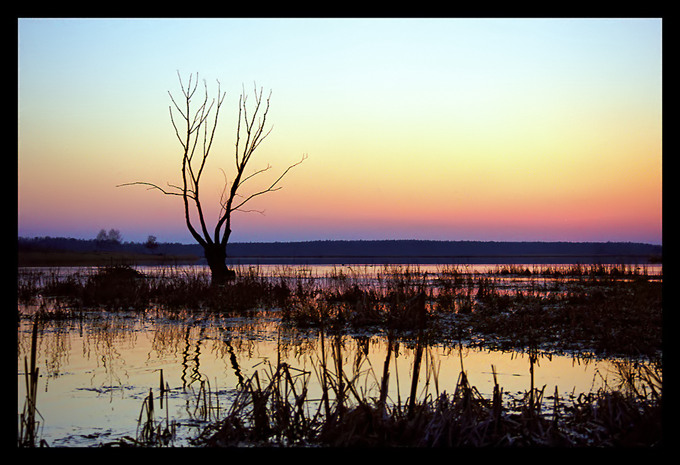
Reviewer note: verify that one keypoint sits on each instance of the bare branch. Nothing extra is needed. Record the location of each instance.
(253, 139)
(242, 181)
(181, 141)
(151, 187)
(261, 212)
(271, 188)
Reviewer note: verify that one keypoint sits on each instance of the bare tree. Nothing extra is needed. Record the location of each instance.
(195, 132)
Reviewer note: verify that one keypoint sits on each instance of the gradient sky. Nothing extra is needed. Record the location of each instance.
(446, 129)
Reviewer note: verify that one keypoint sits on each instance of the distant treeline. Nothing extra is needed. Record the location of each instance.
(378, 251)
(422, 251)
(65, 244)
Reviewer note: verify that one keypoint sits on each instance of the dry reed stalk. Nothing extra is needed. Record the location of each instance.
(146, 420)
(324, 378)
(340, 391)
(416, 373)
(29, 425)
(386, 373)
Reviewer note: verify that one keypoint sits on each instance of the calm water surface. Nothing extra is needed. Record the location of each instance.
(96, 373)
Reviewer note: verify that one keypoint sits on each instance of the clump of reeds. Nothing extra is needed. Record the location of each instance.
(207, 404)
(275, 408)
(194, 290)
(49, 284)
(614, 418)
(150, 430)
(612, 317)
(269, 408)
(513, 269)
(464, 418)
(124, 287)
(117, 287)
(28, 423)
(28, 285)
(396, 300)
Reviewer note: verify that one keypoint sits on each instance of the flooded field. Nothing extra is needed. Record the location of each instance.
(107, 375)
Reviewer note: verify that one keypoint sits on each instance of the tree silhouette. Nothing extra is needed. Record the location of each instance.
(113, 237)
(151, 243)
(195, 133)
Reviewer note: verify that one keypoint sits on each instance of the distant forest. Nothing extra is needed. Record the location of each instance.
(374, 251)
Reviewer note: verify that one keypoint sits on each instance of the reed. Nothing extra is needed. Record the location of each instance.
(274, 407)
(29, 425)
(153, 432)
(206, 405)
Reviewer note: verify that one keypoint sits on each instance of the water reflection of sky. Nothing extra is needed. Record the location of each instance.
(95, 374)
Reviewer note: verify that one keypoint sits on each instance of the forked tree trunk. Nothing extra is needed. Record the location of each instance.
(251, 125)
(216, 255)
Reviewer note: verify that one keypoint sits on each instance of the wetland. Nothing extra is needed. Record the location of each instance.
(333, 356)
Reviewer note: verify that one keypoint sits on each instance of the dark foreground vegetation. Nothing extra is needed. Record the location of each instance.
(277, 410)
(594, 309)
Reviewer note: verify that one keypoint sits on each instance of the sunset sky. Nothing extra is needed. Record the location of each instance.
(445, 129)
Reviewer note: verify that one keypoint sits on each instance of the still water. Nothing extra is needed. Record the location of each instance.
(96, 372)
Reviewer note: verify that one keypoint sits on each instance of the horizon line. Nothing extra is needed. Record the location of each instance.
(372, 240)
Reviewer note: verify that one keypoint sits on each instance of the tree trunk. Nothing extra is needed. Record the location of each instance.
(216, 256)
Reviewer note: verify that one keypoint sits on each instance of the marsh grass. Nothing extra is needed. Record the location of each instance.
(395, 299)
(122, 287)
(615, 317)
(609, 308)
(274, 407)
